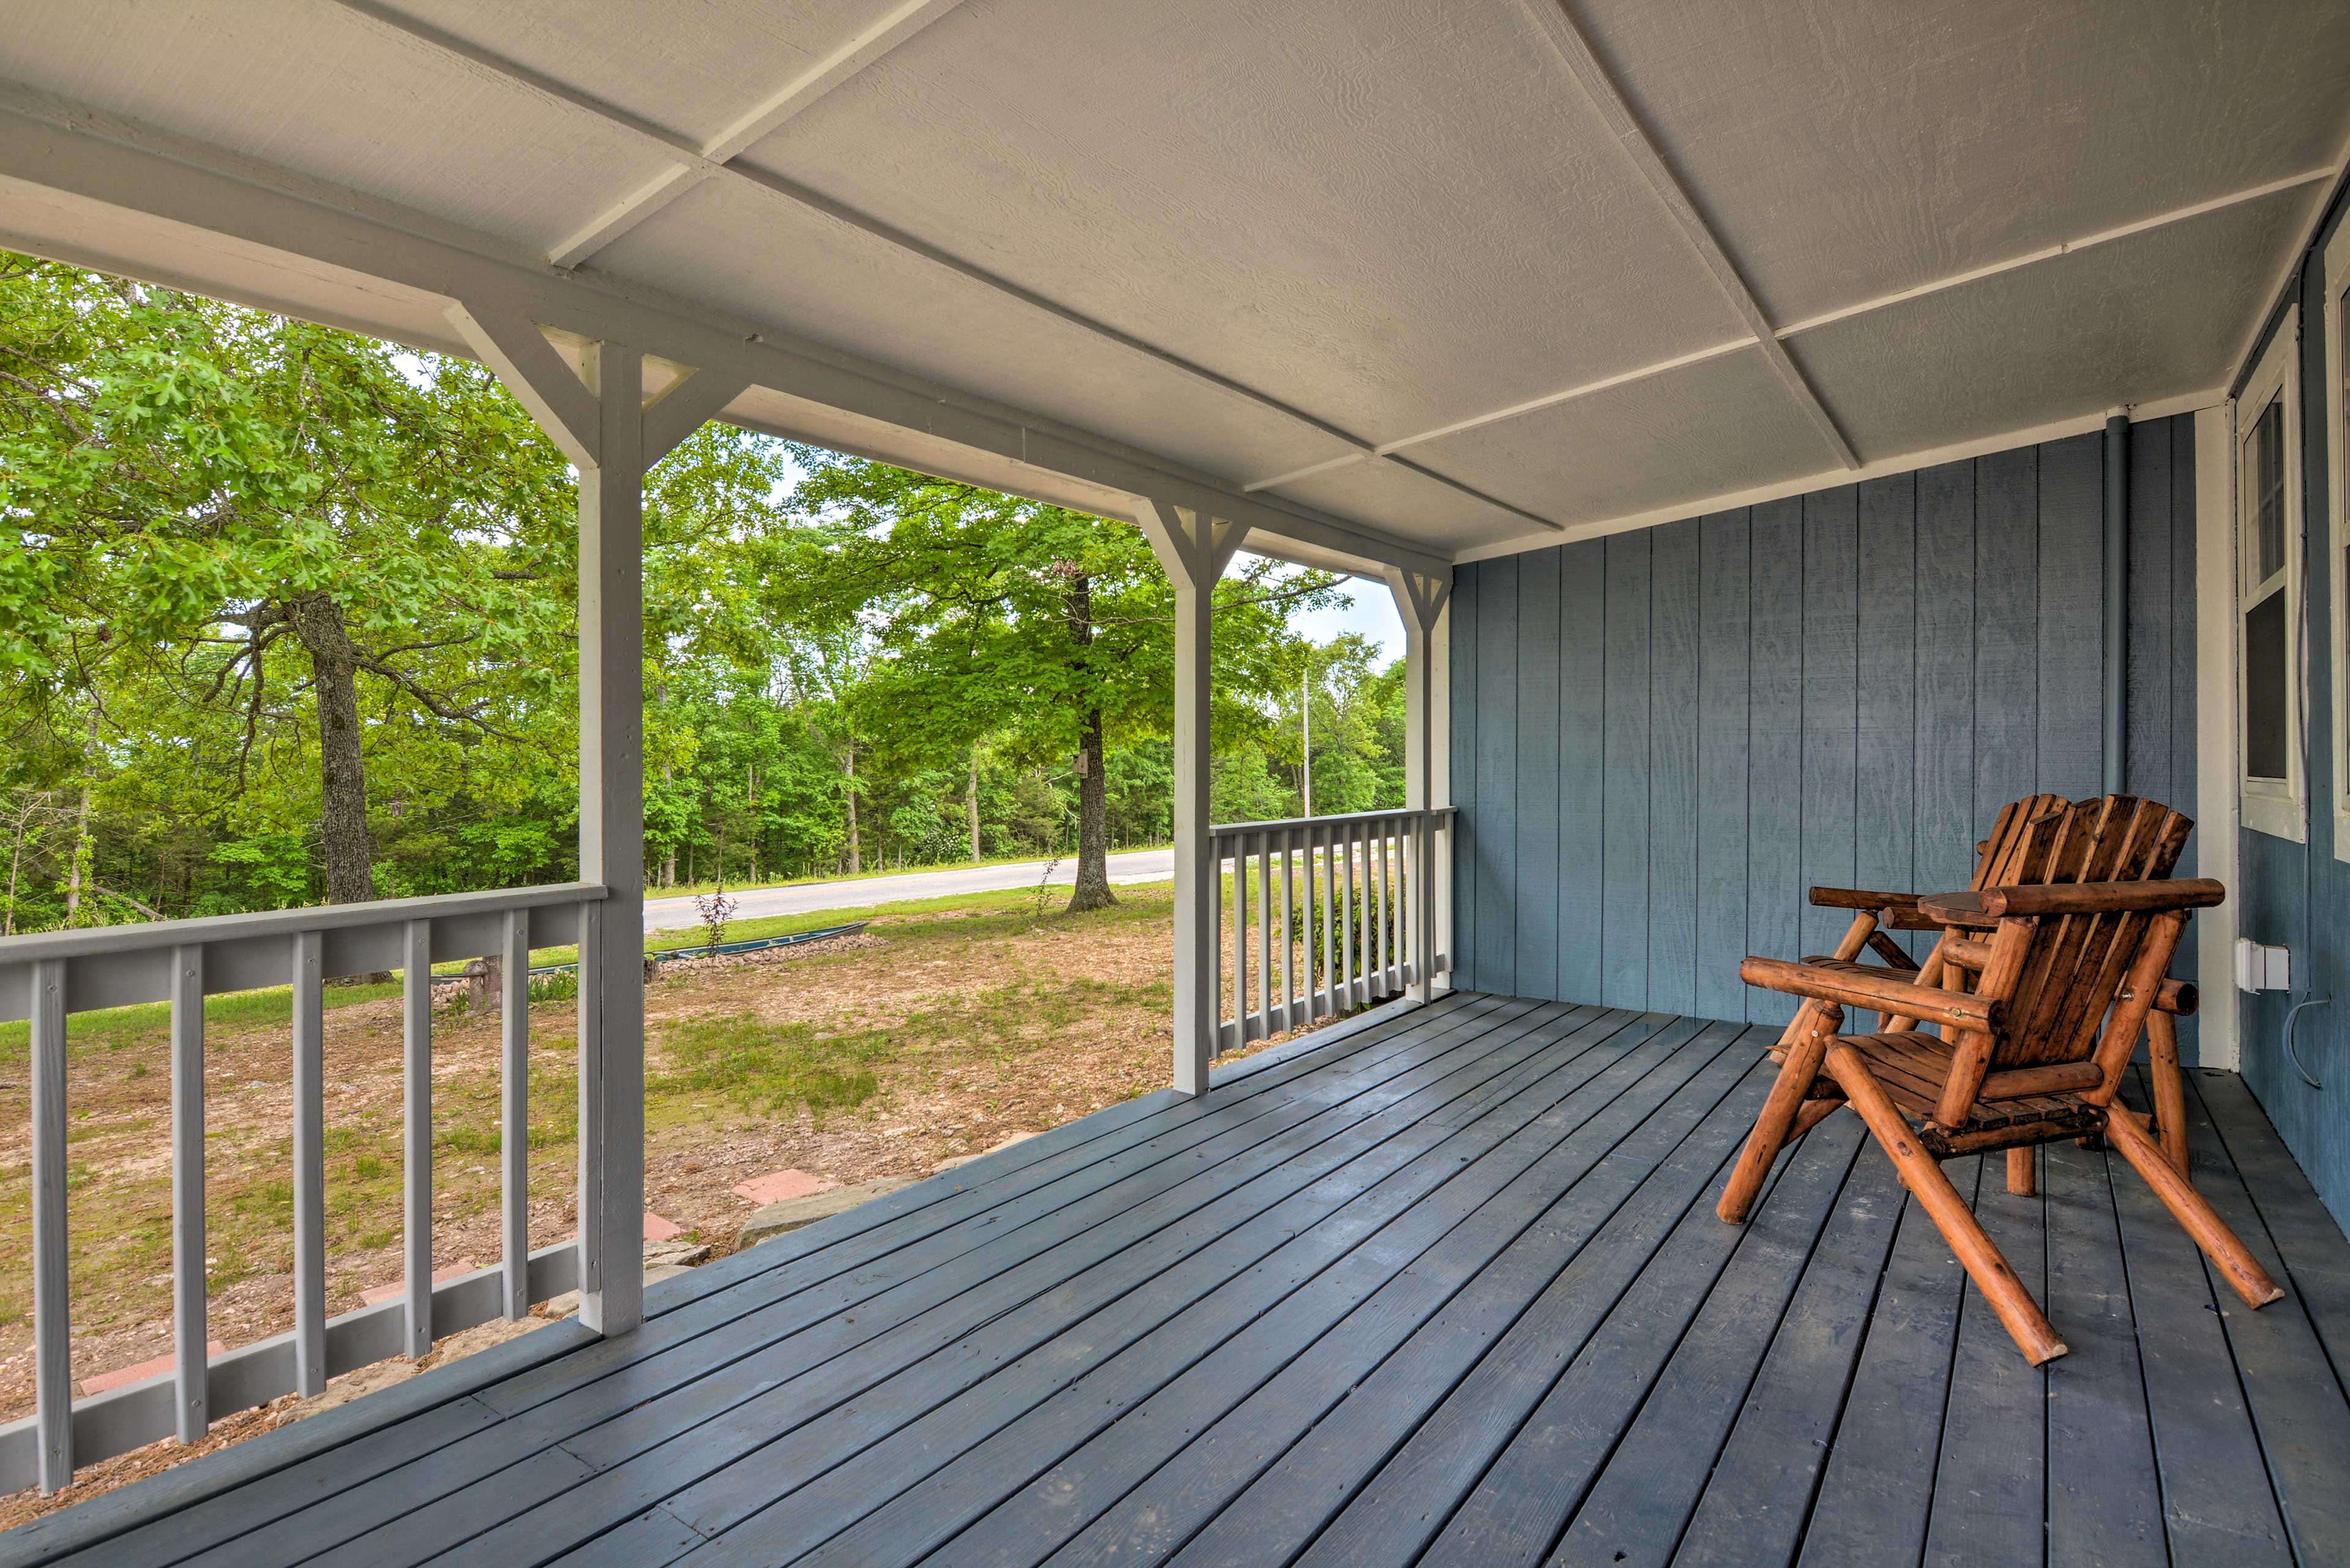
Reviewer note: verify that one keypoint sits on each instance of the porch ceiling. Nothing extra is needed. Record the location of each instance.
(1452, 275)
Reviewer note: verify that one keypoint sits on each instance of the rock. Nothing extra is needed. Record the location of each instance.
(778, 1219)
(966, 1159)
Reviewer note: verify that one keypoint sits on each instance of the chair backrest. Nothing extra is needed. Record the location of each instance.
(2073, 965)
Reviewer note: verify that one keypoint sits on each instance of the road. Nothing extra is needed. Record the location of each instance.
(805, 898)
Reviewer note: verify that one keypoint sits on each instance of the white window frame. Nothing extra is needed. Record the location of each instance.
(2336, 352)
(2279, 807)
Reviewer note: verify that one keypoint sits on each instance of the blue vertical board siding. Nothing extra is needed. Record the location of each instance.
(1774, 802)
(2007, 628)
(2149, 666)
(1673, 598)
(1498, 721)
(1624, 902)
(1465, 622)
(2070, 574)
(1943, 843)
(1884, 804)
(2183, 664)
(1663, 738)
(1538, 779)
(1831, 705)
(2298, 895)
(1583, 750)
(1722, 744)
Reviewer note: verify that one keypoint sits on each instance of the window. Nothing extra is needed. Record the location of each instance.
(2268, 590)
(2337, 443)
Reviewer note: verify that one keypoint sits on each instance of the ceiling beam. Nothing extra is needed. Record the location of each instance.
(904, 20)
(1574, 52)
(558, 94)
(1843, 313)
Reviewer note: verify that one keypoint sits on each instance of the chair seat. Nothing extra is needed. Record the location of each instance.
(2020, 1105)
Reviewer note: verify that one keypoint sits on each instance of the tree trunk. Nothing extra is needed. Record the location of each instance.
(343, 841)
(970, 804)
(82, 849)
(669, 855)
(16, 858)
(1092, 891)
(848, 772)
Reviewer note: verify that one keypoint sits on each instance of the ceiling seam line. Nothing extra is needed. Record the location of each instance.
(1574, 52)
(867, 47)
(1844, 313)
(580, 102)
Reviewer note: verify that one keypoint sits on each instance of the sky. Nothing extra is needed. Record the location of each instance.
(1371, 616)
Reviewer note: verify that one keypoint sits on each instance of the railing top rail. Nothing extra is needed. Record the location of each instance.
(148, 935)
(1400, 814)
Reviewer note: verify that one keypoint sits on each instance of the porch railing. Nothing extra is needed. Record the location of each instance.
(1325, 914)
(45, 978)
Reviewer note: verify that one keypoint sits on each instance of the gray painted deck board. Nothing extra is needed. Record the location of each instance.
(1447, 1291)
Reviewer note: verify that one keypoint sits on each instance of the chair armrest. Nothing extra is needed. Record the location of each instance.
(1860, 899)
(1867, 990)
(1989, 905)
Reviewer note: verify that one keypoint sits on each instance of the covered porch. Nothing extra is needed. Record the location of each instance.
(1786, 434)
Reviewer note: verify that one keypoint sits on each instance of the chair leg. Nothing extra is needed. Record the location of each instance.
(2022, 1174)
(2190, 1209)
(1922, 1175)
(1772, 1126)
(2169, 1094)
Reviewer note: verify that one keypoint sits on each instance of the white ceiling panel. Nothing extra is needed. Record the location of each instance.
(1718, 425)
(308, 88)
(2151, 316)
(1392, 213)
(689, 68)
(1411, 506)
(768, 260)
(1844, 150)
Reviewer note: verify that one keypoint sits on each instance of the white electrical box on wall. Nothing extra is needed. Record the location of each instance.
(2260, 967)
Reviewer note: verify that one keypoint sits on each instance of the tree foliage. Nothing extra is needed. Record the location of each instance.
(287, 614)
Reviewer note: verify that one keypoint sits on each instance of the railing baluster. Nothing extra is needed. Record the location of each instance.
(1239, 937)
(591, 1104)
(1264, 935)
(52, 1287)
(416, 1131)
(1334, 918)
(1375, 873)
(514, 1108)
(309, 1167)
(1389, 919)
(1351, 938)
(1288, 932)
(191, 1362)
(1313, 931)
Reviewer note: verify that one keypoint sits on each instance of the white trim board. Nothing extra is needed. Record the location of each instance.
(2276, 806)
(2215, 734)
(1829, 479)
(2334, 353)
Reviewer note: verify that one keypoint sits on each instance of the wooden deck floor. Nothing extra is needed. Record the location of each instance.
(1447, 1291)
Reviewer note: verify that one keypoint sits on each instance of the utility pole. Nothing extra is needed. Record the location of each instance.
(1305, 740)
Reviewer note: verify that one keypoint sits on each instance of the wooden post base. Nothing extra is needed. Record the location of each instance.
(2022, 1171)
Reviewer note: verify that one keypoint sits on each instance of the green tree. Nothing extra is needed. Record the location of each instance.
(251, 533)
(1046, 633)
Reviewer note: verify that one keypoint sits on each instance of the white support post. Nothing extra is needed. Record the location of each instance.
(1424, 603)
(596, 411)
(1194, 547)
